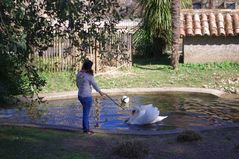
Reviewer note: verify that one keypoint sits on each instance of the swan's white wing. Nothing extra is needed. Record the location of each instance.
(159, 118)
(151, 109)
(148, 106)
(146, 114)
(151, 114)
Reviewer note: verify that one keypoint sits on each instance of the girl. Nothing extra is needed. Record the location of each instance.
(84, 81)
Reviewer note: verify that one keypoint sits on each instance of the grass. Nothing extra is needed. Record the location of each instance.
(59, 81)
(22, 143)
(146, 73)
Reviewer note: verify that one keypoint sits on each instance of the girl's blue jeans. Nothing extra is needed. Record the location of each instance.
(87, 104)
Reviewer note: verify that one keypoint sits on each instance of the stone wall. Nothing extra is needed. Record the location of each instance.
(205, 49)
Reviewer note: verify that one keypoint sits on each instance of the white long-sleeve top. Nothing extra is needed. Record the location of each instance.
(84, 81)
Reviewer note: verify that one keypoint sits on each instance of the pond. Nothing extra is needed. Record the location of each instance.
(184, 110)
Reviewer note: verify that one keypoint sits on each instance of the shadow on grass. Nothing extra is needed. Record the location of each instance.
(150, 68)
(146, 63)
(141, 60)
(163, 59)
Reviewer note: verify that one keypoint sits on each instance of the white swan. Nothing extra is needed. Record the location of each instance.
(145, 114)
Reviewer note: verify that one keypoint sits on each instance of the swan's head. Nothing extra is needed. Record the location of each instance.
(125, 99)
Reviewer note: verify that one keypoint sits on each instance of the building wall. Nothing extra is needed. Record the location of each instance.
(210, 49)
(222, 5)
(212, 4)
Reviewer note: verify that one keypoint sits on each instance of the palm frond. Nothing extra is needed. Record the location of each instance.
(186, 4)
(157, 18)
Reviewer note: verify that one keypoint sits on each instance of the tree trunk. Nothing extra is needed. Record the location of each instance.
(212, 6)
(175, 11)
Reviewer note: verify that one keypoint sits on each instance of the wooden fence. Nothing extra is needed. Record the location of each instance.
(64, 57)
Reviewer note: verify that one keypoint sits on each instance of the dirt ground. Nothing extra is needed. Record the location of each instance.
(218, 144)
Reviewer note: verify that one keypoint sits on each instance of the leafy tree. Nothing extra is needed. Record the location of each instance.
(29, 26)
(22, 33)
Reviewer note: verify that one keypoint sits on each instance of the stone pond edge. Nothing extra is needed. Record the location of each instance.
(135, 91)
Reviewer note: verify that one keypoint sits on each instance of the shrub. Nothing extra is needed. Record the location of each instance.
(188, 136)
(236, 148)
(130, 150)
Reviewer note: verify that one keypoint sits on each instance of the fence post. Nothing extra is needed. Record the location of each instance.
(96, 55)
(130, 53)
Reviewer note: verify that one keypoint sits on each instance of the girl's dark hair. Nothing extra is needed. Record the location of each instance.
(87, 66)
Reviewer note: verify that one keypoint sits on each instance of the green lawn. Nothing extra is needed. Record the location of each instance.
(223, 76)
(30, 143)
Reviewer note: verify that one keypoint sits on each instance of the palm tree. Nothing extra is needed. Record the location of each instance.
(157, 23)
(175, 11)
(186, 4)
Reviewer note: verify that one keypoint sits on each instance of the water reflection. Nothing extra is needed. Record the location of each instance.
(184, 110)
(97, 112)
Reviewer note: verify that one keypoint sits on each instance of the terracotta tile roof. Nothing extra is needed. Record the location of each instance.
(209, 22)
